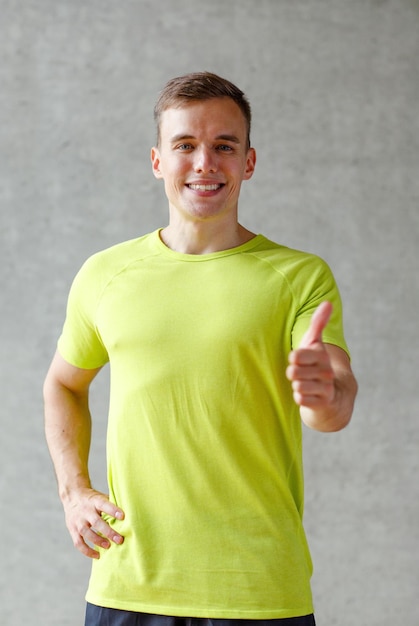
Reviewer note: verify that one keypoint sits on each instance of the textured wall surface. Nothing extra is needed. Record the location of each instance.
(335, 90)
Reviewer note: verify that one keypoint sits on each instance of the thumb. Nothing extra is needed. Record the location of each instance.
(318, 323)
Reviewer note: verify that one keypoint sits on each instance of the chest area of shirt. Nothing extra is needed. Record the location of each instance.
(192, 304)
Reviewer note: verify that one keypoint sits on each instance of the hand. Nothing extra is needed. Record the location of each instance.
(310, 370)
(83, 512)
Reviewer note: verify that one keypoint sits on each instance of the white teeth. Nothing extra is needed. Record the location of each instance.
(204, 187)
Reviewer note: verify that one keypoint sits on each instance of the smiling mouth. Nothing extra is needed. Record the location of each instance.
(197, 187)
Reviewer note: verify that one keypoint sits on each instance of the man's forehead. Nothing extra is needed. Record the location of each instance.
(221, 116)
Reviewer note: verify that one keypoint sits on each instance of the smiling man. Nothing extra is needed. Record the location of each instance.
(221, 343)
(203, 156)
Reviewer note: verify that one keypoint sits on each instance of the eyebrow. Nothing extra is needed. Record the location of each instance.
(226, 137)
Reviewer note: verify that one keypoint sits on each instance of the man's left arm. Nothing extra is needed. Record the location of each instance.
(321, 376)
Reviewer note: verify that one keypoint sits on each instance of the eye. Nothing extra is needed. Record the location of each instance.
(224, 148)
(184, 146)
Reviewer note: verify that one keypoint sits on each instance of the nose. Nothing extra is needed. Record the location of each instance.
(205, 160)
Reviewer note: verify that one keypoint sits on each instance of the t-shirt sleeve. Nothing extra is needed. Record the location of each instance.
(80, 343)
(315, 285)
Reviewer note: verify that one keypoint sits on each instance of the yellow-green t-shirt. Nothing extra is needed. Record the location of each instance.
(204, 438)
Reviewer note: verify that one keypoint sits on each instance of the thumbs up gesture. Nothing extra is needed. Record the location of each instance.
(310, 369)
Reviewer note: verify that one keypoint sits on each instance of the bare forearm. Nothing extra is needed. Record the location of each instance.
(68, 433)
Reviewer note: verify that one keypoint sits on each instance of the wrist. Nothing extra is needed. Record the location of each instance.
(69, 489)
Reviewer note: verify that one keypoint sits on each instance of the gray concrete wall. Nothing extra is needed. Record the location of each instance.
(335, 91)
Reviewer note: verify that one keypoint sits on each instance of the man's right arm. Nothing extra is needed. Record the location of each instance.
(68, 433)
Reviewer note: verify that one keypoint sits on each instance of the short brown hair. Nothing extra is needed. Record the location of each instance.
(199, 86)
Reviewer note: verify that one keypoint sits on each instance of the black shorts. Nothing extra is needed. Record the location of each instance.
(100, 616)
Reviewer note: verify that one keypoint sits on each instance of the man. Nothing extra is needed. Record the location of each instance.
(219, 342)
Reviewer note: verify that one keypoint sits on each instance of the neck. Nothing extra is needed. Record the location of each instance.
(204, 238)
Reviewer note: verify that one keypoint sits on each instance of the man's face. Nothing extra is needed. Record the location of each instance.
(203, 158)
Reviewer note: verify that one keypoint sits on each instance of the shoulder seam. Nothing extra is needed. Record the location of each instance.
(117, 273)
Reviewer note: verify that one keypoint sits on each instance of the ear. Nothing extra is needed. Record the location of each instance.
(250, 164)
(155, 162)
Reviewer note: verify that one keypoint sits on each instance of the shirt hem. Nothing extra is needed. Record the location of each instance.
(222, 613)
